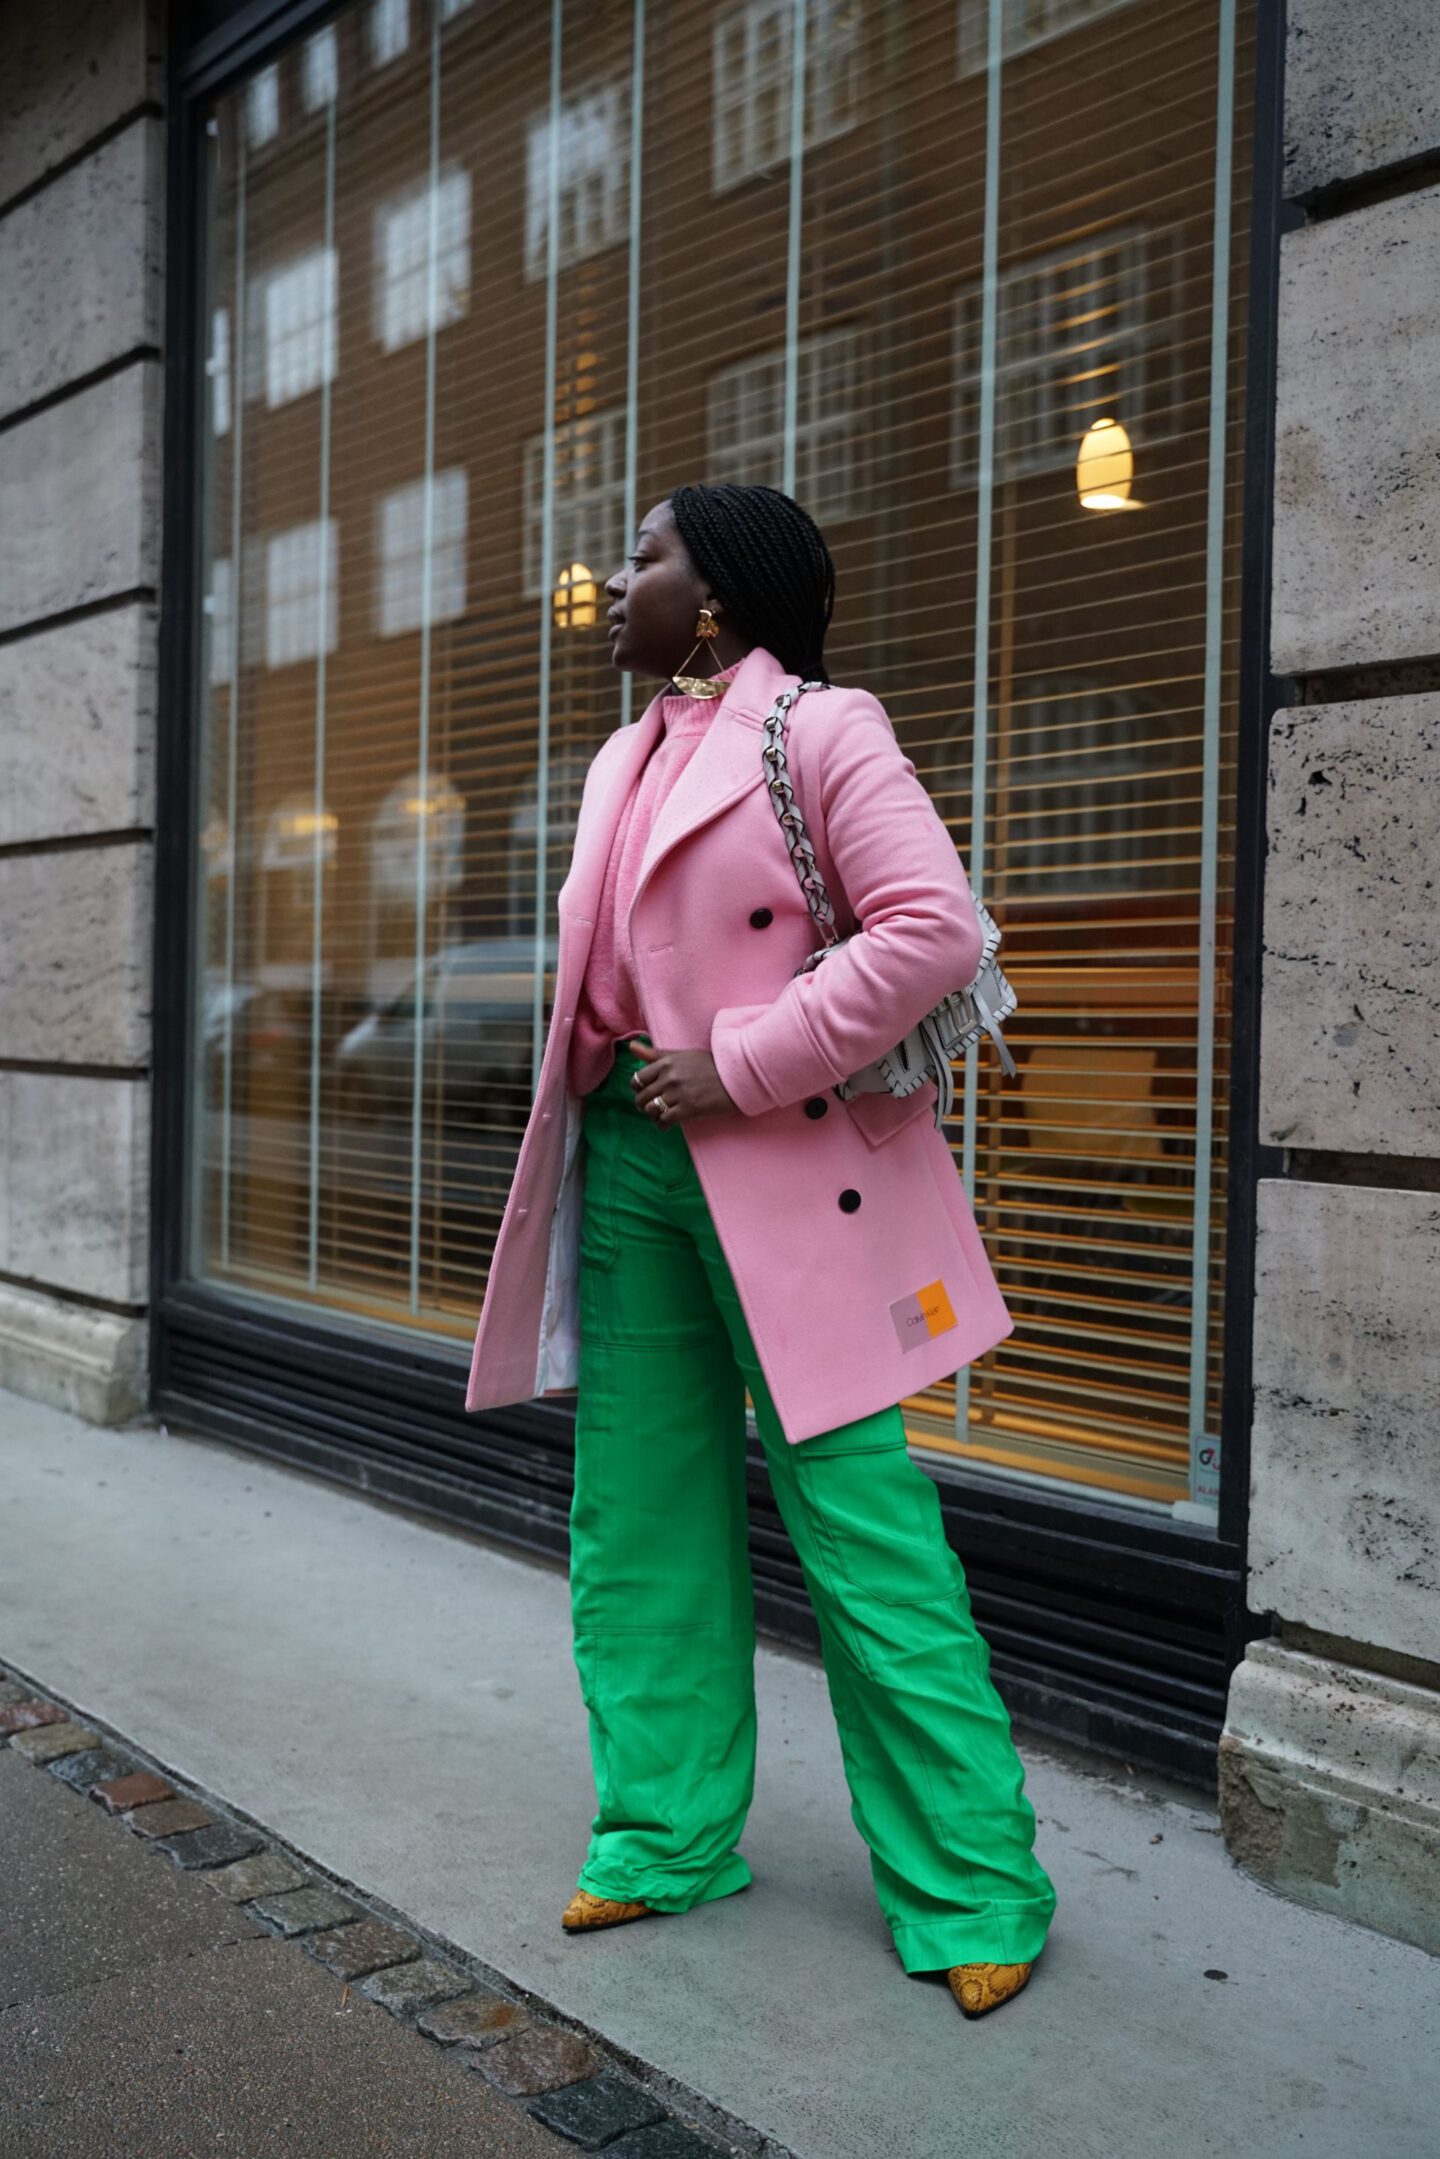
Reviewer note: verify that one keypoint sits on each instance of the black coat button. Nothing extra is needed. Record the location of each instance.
(761, 919)
(816, 1106)
(849, 1200)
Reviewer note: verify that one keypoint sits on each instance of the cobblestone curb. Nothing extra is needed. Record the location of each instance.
(567, 2079)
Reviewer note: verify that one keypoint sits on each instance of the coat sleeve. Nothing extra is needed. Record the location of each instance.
(917, 938)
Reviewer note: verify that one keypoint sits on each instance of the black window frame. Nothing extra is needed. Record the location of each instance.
(1110, 1628)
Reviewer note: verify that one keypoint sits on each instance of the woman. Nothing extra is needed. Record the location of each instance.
(707, 1214)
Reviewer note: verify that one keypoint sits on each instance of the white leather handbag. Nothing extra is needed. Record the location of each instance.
(960, 1018)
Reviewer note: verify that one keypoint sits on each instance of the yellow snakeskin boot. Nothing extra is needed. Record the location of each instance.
(584, 1912)
(981, 1987)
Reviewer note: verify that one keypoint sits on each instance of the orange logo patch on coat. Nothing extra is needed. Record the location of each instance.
(926, 1314)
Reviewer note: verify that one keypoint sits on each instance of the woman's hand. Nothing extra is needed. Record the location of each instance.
(686, 1081)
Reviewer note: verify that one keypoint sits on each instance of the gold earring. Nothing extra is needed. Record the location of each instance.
(707, 629)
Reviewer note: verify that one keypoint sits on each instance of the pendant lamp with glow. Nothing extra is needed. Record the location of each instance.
(1105, 468)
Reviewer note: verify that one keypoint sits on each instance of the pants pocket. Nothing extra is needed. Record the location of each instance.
(876, 1522)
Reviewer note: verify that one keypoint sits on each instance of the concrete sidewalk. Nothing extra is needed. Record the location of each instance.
(397, 1702)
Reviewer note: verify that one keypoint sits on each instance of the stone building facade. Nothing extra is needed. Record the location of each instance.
(1331, 1756)
(82, 222)
(1330, 1759)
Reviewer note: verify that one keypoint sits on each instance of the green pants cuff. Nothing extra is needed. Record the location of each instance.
(1016, 1936)
(733, 1873)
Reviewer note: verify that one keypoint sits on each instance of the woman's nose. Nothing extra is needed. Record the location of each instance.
(615, 586)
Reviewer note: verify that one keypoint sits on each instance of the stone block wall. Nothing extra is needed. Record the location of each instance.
(1352, 928)
(1362, 93)
(81, 268)
(1357, 550)
(1345, 1520)
(1330, 1764)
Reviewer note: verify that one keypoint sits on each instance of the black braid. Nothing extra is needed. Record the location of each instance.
(766, 560)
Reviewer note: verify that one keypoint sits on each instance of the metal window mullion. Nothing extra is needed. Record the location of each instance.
(798, 14)
(427, 562)
(1210, 785)
(984, 516)
(547, 540)
(632, 318)
(232, 753)
(317, 935)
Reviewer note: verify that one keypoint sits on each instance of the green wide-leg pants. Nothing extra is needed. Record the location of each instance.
(664, 1623)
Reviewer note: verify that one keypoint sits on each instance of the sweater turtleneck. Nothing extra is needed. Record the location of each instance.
(608, 1011)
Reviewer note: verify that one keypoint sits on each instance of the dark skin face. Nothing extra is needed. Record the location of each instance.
(655, 601)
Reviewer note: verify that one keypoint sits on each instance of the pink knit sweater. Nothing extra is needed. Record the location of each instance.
(608, 1010)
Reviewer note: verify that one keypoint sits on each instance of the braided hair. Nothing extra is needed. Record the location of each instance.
(766, 561)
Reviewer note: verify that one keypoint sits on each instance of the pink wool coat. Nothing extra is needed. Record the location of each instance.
(853, 1247)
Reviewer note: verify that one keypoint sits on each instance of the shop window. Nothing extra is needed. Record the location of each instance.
(421, 808)
(753, 82)
(1081, 332)
(1103, 781)
(298, 835)
(406, 229)
(301, 579)
(422, 551)
(746, 422)
(589, 499)
(262, 107)
(217, 367)
(300, 845)
(564, 785)
(592, 201)
(389, 30)
(220, 621)
(1065, 677)
(320, 69)
(291, 329)
(417, 858)
(1026, 23)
